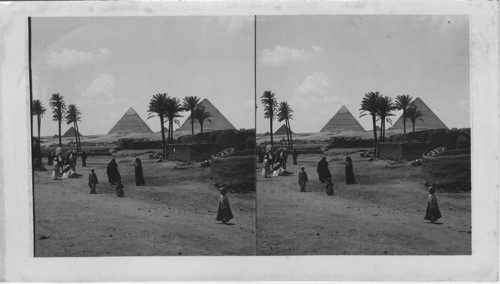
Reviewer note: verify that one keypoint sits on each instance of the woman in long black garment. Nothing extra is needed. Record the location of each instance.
(349, 174)
(323, 171)
(112, 171)
(139, 178)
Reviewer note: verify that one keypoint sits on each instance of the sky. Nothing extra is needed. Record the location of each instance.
(105, 65)
(319, 63)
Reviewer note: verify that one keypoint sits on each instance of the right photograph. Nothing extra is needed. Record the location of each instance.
(363, 142)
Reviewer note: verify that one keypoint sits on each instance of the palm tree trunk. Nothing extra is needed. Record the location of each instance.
(39, 120)
(290, 133)
(374, 121)
(162, 135)
(271, 128)
(192, 123)
(404, 120)
(59, 126)
(413, 123)
(201, 126)
(79, 137)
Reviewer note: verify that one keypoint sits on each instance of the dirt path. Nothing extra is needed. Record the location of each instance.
(381, 214)
(174, 214)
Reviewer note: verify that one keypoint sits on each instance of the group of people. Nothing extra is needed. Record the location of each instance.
(325, 176)
(114, 177)
(64, 164)
(274, 162)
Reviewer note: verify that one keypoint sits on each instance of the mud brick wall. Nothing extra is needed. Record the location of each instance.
(241, 140)
(237, 171)
(401, 150)
(191, 152)
(139, 145)
(448, 170)
(351, 143)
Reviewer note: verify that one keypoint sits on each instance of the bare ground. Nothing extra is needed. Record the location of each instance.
(381, 214)
(173, 214)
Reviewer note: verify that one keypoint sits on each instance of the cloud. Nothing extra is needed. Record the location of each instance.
(68, 58)
(282, 55)
(235, 23)
(314, 84)
(104, 85)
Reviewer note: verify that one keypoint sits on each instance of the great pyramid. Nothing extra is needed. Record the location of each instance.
(282, 130)
(343, 120)
(431, 121)
(218, 121)
(71, 133)
(130, 122)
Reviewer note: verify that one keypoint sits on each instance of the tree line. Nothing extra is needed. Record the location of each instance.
(378, 106)
(167, 108)
(60, 112)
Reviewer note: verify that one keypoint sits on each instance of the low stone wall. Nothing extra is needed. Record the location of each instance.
(351, 143)
(139, 145)
(449, 171)
(401, 150)
(237, 172)
(191, 152)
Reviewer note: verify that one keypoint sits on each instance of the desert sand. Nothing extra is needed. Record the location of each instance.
(173, 214)
(381, 214)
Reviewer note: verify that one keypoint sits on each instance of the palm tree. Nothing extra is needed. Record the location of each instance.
(38, 109)
(268, 100)
(58, 109)
(157, 107)
(73, 116)
(385, 106)
(190, 104)
(369, 105)
(285, 112)
(413, 115)
(402, 103)
(174, 106)
(201, 116)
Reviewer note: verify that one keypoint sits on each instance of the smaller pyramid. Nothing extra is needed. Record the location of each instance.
(217, 122)
(282, 130)
(130, 122)
(343, 120)
(71, 133)
(431, 120)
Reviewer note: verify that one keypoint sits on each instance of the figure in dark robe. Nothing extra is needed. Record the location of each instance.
(323, 170)
(303, 179)
(50, 158)
(261, 156)
(224, 213)
(329, 187)
(294, 155)
(112, 171)
(432, 212)
(84, 159)
(349, 174)
(93, 181)
(139, 178)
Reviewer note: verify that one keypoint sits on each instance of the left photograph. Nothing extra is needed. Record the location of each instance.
(143, 135)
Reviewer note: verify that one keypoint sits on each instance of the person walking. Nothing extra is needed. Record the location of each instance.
(93, 181)
(349, 174)
(303, 179)
(432, 212)
(139, 178)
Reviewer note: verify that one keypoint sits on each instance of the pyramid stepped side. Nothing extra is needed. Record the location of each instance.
(218, 121)
(70, 133)
(431, 120)
(343, 120)
(282, 130)
(130, 122)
